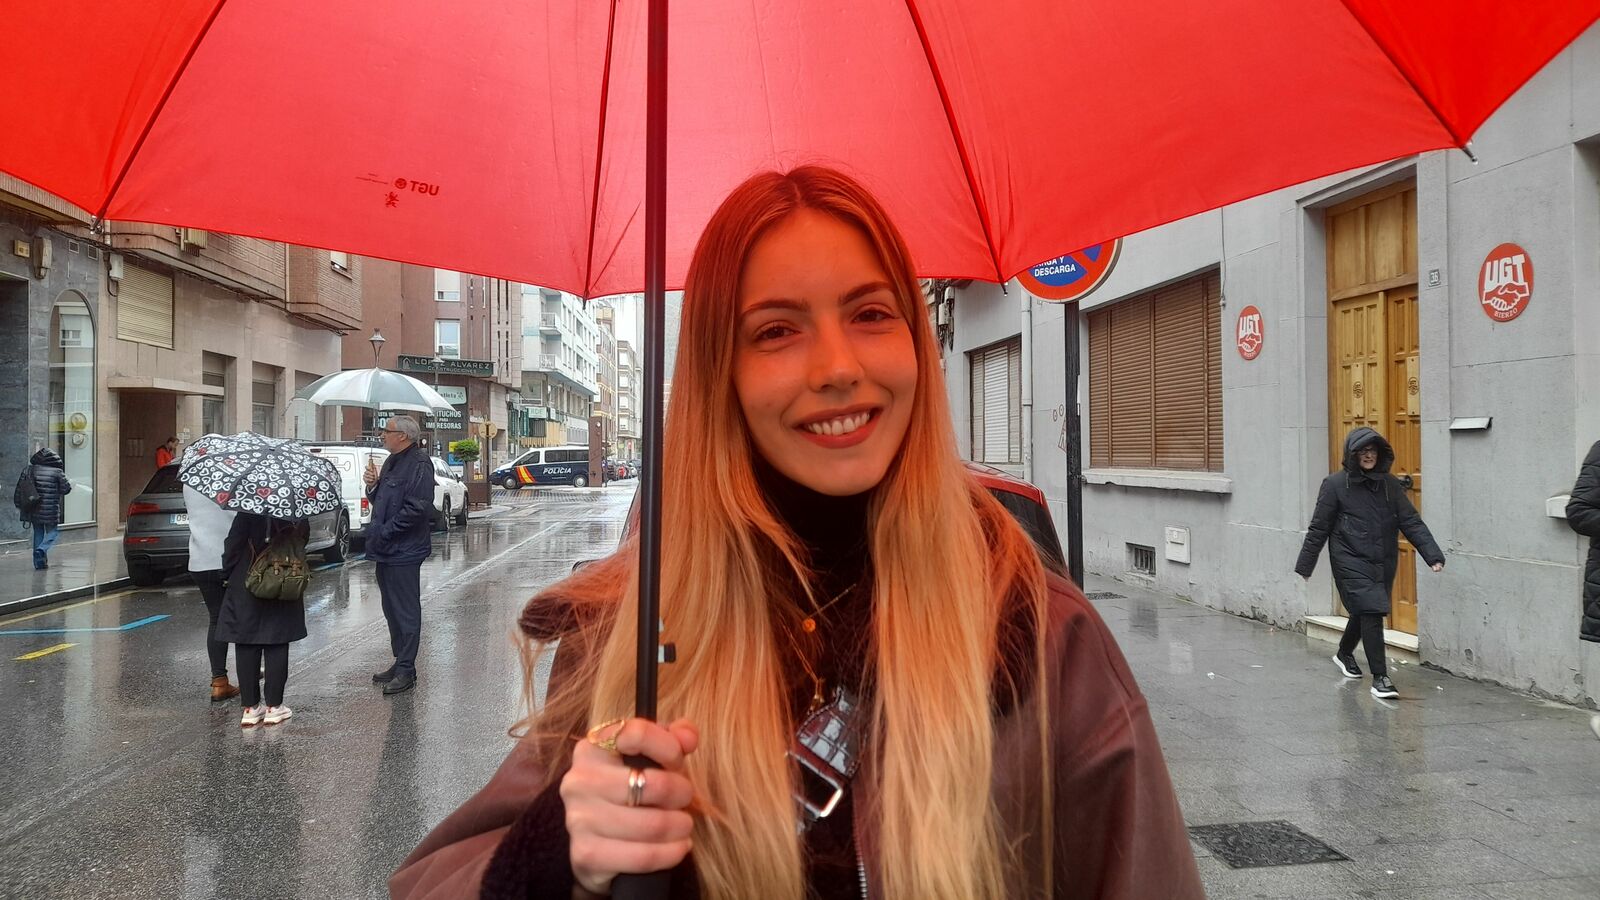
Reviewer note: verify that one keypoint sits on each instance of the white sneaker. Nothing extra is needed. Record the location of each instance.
(276, 714)
(252, 715)
(1594, 725)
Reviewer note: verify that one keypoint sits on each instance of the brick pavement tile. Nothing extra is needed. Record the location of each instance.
(1558, 854)
(1327, 880)
(1549, 889)
(1449, 893)
(1449, 863)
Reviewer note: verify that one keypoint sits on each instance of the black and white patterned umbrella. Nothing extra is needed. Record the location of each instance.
(252, 473)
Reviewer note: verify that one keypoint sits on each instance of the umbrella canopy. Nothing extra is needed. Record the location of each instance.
(251, 473)
(998, 133)
(374, 389)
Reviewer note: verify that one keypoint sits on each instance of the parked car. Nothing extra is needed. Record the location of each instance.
(155, 543)
(350, 457)
(1027, 504)
(449, 496)
(567, 464)
(1025, 501)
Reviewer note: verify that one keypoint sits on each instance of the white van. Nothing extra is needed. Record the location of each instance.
(449, 493)
(351, 461)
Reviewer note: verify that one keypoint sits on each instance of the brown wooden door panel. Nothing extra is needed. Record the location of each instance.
(1374, 350)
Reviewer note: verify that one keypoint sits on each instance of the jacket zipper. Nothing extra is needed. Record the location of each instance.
(861, 870)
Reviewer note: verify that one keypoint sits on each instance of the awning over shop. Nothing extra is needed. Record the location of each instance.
(152, 384)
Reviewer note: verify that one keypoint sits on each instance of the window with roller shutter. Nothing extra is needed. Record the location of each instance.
(1155, 379)
(144, 307)
(997, 402)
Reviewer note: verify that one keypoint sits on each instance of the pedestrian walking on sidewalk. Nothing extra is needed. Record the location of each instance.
(260, 628)
(209, 525)
(399, 539)
(959, 722)
(1583, 514)
(41, 490)
(1361, 512)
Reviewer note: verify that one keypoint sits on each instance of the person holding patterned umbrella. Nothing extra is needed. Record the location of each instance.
(275, 486)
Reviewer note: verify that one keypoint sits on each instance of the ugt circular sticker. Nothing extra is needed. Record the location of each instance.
(1250, 333)
(1072, 276)
(1505, 283)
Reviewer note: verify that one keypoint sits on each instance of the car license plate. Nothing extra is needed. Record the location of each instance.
(180, 518)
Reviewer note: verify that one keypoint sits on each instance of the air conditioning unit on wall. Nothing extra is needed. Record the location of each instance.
(192, 238)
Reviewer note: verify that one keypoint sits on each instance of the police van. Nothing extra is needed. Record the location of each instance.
(567, 464)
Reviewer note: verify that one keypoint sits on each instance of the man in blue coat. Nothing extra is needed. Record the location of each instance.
(44, 483)
(398, 540)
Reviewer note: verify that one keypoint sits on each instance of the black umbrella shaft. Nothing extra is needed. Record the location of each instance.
(655, 885)
(655, 280)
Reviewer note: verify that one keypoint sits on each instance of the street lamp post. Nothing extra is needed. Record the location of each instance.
(438, 363)
(377, 341)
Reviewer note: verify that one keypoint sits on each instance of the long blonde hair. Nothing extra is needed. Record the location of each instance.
(949, 565)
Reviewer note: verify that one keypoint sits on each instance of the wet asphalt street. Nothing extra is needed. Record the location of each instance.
(122, 780)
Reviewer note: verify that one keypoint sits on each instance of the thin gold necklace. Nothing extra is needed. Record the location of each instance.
(808, 624)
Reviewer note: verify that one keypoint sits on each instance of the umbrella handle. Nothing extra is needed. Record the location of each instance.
(651, 886)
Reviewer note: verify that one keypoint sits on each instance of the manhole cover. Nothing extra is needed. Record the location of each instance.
(1104, 595)
(1244, 845)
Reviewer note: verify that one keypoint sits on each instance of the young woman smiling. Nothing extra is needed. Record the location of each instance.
(827, 562)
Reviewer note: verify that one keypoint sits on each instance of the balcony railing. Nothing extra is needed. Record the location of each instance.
(550, 362)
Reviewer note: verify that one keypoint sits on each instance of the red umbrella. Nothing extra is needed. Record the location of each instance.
(507, 138)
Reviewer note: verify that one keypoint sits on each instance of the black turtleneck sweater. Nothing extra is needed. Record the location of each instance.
(834, 532)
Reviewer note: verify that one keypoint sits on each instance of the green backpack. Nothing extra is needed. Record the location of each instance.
(280, 572)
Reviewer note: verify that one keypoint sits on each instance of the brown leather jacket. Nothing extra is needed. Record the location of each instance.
(1119, 834)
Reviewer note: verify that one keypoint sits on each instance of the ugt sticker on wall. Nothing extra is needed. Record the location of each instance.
(1505, 283)
(1250, 333)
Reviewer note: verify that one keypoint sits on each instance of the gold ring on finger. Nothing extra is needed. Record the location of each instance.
(635, 787)
(604, 741)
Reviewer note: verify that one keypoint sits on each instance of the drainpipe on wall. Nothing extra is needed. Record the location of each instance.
(1027, 385)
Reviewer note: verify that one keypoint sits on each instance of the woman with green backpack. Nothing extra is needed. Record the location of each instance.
(264, 611)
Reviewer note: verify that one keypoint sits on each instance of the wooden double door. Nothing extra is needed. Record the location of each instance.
(1373, 352)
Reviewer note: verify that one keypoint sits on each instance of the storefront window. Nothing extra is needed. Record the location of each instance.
(72, 423)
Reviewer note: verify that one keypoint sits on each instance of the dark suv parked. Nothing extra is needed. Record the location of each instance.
(156, 541)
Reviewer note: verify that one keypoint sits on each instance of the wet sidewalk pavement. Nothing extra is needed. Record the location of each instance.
(77, 569)
(1456, 791)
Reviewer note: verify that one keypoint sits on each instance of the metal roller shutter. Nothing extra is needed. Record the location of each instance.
(1155, 379)
(144, 307)
(996, 386)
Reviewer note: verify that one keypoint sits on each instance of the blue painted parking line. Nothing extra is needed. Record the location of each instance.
(128, 627)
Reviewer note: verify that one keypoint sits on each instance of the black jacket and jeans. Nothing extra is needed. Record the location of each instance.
(399, 539)
(1583, 514)
(1360, 515)
(48, 474)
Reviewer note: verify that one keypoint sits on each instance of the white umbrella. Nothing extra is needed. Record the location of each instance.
(378, 389)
